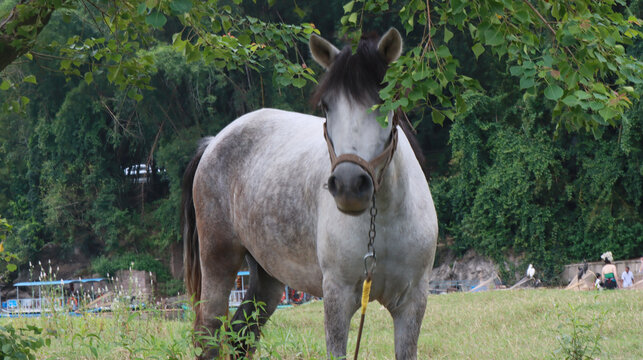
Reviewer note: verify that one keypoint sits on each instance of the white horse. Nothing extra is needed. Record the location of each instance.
(265, 190)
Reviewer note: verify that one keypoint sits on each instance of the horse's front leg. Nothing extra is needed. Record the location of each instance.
(340, 303)
(407, 320)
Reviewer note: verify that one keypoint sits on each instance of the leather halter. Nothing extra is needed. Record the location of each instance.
(383, 159)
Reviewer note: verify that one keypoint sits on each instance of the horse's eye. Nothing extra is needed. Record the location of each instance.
(323, 106)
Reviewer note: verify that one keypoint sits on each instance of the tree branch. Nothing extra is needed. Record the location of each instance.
(32, 13)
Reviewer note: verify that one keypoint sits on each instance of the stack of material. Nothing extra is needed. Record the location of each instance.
(521, 283)
(492, 283)
(102, 302)
(135, 283)
(585, 283)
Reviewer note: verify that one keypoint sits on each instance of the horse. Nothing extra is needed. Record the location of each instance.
(289, 193)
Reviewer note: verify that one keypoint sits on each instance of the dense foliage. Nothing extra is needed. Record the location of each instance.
(103, 90)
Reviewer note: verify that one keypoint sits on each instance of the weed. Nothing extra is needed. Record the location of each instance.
(231, 335)
(19, 344)
(578, 338)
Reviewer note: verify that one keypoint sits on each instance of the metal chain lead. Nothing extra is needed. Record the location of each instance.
(370, 248)
(368, 272)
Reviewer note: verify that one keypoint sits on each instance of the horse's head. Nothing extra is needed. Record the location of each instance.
(359, 147)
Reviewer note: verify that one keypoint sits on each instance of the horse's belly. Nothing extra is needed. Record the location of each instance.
(278, 230)
(297, 270)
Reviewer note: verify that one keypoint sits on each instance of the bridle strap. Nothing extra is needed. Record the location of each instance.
(383, 159)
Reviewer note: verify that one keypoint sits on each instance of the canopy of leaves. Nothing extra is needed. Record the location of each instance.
(573, 53)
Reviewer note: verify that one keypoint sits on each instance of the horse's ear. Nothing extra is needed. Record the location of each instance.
(390, 45)
(322, 50)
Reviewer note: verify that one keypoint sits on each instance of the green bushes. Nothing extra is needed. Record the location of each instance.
(19, 344)
(515, 187)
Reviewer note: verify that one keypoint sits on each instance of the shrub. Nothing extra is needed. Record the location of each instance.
(578, 339)
(18, 344)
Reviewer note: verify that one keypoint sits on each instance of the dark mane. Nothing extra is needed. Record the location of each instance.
(415, 144)
(358, 75)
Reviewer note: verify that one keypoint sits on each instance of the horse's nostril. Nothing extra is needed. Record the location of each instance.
(332, 185)
(363, 184)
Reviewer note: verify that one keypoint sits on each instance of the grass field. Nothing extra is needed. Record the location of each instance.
(525, 324)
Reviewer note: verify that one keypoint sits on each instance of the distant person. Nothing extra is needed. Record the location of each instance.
(608, 274)
(641, 266)
(627, 277)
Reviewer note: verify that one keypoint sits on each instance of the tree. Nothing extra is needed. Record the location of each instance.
(572, 53)
(119, 30)
(7, 258)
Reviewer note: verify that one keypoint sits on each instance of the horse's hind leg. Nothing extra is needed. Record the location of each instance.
(260, 301)
(221, 258)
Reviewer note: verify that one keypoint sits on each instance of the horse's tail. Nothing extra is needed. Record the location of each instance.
(191, 261)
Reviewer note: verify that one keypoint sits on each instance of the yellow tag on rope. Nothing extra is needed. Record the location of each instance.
(366, 293)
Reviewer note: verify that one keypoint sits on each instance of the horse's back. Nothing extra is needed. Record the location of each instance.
(258, 183)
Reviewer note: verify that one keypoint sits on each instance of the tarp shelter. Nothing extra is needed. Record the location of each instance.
(60, 283)
(57, 282)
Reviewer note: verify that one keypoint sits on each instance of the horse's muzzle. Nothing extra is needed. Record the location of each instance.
(351, 187)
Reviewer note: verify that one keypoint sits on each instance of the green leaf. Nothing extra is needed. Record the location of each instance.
(447, 35)
(516, 70)
(299, 82)
(353, 18)
(349, 6)
(142, 7)
(5, 85)
(30, 79)
(596, 105)
(608, 113)
(443, 51)
(582, 95)
(522, 15)
(10, 268)
(437, 117)
(477, 49)
(181, 6)
(156, 19)
(570, 100)
(526, 83)
(553, 92)
(89, 77)
(494, 37)
(301, 13)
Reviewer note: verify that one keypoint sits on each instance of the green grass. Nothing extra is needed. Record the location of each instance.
(492, 325)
